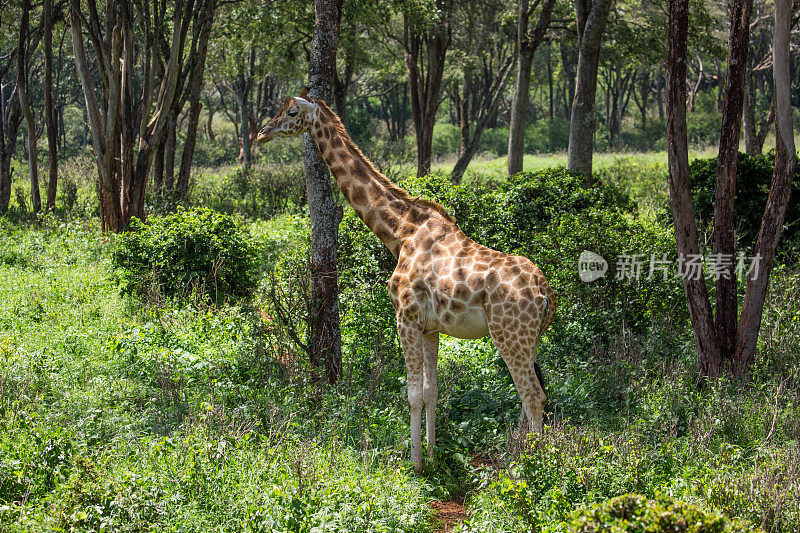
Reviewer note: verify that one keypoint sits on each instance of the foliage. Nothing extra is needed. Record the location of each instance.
(635, 513)
(753, 180)
(196, 250)
(264, 191)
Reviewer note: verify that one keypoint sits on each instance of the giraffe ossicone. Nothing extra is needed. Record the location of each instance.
(444, 281)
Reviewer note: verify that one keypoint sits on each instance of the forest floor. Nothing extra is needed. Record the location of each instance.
(447, 514)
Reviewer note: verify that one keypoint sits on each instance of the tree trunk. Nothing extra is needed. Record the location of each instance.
(123, 148)
(591, 17)
(195, 106)
(779, 192)
(170, 145)
(52, 178)
(158, 170)
(424, 52)
(568, 62)
(724, 243)
(10, 120)
(708, 355)
(550, 106)
(244, 129)
(325, 349)
(526, 48)
(659, 96)
(749, 113)
(341, 87)
(486, 112)
(27, 112)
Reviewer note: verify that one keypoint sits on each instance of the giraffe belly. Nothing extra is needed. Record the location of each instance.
(471, 324)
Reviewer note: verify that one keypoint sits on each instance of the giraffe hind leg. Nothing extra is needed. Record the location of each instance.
(518, 350)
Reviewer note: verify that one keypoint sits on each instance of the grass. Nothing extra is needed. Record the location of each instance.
(490, 166)
(119, 418)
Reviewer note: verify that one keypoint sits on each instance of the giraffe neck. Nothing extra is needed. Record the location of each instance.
(384, 207)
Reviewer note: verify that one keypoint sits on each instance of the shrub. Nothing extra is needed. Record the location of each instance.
(753, 180)
(636, 513)
(195, 250)
(263, 192)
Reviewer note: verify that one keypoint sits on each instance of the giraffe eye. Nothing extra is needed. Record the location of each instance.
(293, 112)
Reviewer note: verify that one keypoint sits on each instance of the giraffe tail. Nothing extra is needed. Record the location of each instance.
(551, 304)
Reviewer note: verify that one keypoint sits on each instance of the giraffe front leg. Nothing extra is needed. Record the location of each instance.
(411, 341)
(430, 388)
(415, 406)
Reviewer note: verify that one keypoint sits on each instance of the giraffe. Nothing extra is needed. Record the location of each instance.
(444, 282)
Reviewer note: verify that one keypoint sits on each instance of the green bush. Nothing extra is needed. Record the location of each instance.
(753, 180)
(547, 136)
(635, 513)
(195, 250)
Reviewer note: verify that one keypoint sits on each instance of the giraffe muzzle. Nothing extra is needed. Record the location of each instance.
(265, 135)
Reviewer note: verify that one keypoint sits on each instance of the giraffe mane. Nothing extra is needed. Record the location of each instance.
(392, 187)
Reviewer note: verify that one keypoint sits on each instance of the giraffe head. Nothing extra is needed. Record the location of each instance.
(295, 116)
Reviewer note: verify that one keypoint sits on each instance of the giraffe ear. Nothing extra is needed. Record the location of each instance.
(304, 105)
(304, 93)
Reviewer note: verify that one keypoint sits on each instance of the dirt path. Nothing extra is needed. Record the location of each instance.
(447, 514)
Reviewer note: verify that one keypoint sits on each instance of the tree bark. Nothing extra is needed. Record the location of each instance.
(170, 145)
(569, 62)
(526, 48)
(779, 193)
(27, 112)
(10, 120)
(749, 113)
(124, 147)
(591, 17)
(325, 350)
(708, 355)
(424, 53)
(470, 145)
(52, 143)
(724, 243)
(195, 106)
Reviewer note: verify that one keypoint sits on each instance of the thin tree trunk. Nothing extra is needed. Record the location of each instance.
(727, 309)
(325, 350)
(526, 48)
(158, 170)
(27, 112)
(124, 149)
(341, 87)
(10, 120)
(169, 153)
(425, 79)
(708, 355)
(195, 106)
(568, 62)
(779, 193)
(52, 178)
(495, 94)
(551, 108)
(749, 113)
(591, 16)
